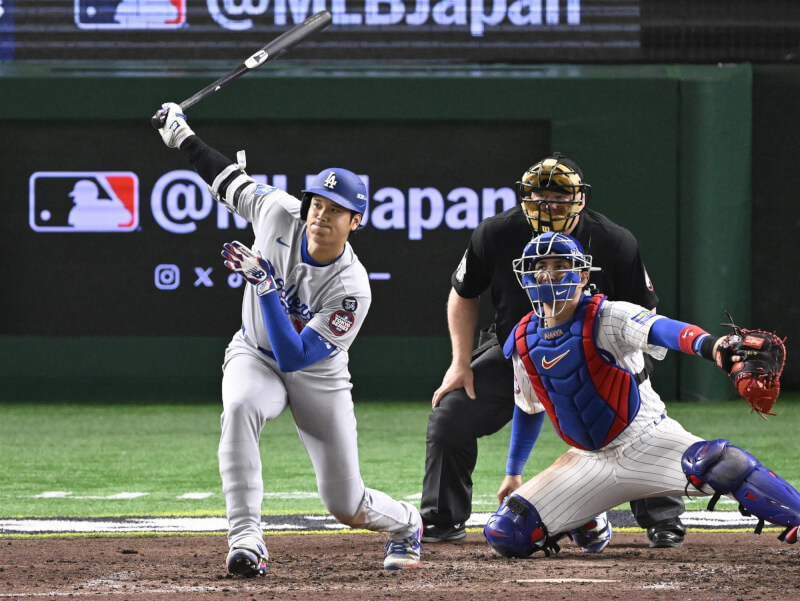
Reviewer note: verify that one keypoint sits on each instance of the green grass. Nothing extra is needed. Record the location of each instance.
(97, 451)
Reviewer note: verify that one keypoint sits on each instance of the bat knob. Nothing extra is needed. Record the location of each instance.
(159, 119)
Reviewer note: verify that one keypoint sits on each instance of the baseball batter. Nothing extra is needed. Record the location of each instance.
(574, 358)
(308, 299)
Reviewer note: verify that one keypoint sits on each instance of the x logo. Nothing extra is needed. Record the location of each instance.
(203, 277)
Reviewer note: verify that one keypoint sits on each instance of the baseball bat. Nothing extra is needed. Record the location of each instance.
(277, 47)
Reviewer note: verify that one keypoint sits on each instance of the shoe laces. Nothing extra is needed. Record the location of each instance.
(404, 546)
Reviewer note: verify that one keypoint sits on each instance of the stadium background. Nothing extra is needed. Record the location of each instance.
(680, 115)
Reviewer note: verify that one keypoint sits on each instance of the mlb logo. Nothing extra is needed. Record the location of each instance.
(83, 201)
(130, 14)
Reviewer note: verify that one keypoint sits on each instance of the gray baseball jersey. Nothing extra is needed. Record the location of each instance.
(333, 300)
(643, 461)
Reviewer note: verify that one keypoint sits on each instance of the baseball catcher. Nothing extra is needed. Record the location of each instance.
(578, 359)
(754, 359)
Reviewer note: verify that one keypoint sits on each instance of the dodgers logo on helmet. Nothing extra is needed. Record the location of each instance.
(130, 14)
(83, 201)
(342, 186)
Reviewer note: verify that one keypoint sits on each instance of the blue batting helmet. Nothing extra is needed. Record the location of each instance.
(341, 186)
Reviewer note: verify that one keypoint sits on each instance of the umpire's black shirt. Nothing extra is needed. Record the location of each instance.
(499, 240)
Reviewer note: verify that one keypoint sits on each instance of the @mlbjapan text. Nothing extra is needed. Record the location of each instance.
(477, 15)
(180, 200)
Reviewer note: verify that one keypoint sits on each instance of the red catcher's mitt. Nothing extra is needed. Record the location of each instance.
(754, 360)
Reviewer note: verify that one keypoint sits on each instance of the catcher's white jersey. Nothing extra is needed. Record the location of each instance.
(622, 331)
(332, 299)
(643, 461)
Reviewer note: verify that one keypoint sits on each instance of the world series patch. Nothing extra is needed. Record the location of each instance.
(341, 322)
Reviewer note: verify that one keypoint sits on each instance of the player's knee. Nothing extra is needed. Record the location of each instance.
(345, 513)
(343, 504)
(449, 424)
(516, 530)
(241, 405)
(718, 464)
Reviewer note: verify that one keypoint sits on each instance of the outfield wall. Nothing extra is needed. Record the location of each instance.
(775, 222)
(667, 149)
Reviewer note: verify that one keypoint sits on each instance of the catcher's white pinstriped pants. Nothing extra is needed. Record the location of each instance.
(582, 484)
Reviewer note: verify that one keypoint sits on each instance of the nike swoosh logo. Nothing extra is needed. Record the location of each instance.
(494, 532)
(561, 292)
(548, 364)
(282, 243)
(685, 334)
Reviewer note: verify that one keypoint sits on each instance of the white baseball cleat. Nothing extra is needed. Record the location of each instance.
(246, 562)
(404, 553)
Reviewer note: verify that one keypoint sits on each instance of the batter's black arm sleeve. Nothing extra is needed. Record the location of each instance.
(206, 161)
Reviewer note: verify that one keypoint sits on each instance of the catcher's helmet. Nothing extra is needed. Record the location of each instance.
(559, 174)
(554, 288)
(341, 186)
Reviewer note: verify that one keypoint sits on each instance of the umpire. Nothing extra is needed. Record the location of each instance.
(476, 397)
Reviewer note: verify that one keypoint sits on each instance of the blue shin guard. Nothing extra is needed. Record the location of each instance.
(516, 530)
(728, 469)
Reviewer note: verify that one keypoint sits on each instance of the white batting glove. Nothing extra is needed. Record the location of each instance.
(175, 129)
(251, 265)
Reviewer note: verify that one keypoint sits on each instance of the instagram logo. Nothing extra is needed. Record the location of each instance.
(167, 277)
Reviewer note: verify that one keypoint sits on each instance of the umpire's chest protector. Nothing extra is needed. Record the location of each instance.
(589, 399)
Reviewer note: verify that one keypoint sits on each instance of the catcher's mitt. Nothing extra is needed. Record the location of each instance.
(754, 359)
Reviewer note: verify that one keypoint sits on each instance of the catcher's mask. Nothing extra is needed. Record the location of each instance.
(559, 175)
(550, 287)
(341, 186)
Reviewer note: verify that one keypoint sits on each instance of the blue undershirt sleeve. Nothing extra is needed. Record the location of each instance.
(292, 351)
(667, 332)
(525, 429)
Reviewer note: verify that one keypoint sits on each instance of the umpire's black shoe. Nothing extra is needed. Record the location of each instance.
(443, 534)
(667, 533)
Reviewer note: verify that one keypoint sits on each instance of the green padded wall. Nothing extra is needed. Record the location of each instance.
(655, 141)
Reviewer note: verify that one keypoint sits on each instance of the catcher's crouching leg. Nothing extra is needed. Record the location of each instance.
(516, 530)
(728, 469)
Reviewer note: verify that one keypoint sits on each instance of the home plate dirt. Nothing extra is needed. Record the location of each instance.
(718, 566)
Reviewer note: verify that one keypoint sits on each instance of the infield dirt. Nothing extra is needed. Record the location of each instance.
(710, 567)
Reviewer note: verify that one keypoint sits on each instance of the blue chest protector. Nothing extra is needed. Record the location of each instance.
(589, 399)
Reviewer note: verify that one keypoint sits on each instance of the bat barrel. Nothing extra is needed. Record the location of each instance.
(284, 42)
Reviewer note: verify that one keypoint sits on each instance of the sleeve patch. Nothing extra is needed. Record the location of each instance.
(341, 322)
(461, 270)
(263, 189)
(350, 303)
(643, 317)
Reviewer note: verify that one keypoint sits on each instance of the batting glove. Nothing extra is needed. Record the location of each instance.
(253, 267)
(175, 129)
